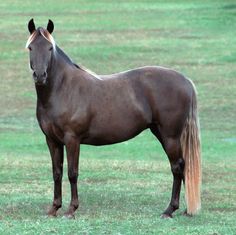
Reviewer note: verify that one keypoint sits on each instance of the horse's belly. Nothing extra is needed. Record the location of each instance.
(114, 131)
(107, 138)
(118, 117)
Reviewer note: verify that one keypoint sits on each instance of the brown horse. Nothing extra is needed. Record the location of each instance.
(76, 106)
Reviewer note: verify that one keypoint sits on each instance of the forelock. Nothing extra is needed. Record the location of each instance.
(43, 32)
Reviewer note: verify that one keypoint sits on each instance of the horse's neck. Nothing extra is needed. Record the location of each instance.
(54, 79)
(43, 95)
(58, 77)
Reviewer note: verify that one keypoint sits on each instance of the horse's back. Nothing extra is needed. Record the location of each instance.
(157, 77)
(155, 83)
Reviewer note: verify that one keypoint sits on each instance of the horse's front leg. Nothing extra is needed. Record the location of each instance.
(56, 151)
(72, 150)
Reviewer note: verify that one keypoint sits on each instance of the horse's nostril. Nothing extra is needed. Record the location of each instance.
(39, 75)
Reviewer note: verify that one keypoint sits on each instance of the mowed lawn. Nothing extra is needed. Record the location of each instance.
(123, 188)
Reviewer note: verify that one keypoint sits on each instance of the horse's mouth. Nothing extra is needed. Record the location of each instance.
(41, 82)
(40, 79)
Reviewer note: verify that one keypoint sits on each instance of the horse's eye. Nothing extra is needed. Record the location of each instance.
(30, 48)
(50, 48)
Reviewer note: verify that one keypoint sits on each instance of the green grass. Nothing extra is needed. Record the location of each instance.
(123, 188)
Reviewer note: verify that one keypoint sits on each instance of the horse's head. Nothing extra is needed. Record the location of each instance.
(41, 46)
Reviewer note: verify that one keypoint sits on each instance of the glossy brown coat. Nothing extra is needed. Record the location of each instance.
(75, 107)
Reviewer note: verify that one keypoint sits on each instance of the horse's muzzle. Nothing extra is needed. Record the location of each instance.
(40, 78)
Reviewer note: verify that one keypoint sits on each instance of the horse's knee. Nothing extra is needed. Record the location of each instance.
(73, 176)
(57, 175)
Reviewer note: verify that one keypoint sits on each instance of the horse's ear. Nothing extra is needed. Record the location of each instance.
(31, 26)
(50, 26)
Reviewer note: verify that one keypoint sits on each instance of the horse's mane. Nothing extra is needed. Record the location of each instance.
(48, 36)
(87, 71)
(69, 61)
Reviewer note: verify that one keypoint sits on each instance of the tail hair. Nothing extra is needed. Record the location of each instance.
(191, 148)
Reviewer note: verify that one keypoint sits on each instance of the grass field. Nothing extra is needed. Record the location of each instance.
(123, 188)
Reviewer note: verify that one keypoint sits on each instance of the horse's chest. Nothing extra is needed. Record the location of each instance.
(57, 125)
(51, 129)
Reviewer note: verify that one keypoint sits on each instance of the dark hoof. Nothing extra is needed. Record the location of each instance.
(166, 216)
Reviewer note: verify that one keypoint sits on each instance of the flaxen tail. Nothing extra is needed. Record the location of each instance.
(190, 143)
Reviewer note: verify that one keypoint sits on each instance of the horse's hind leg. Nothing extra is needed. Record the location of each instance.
(173, 150)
